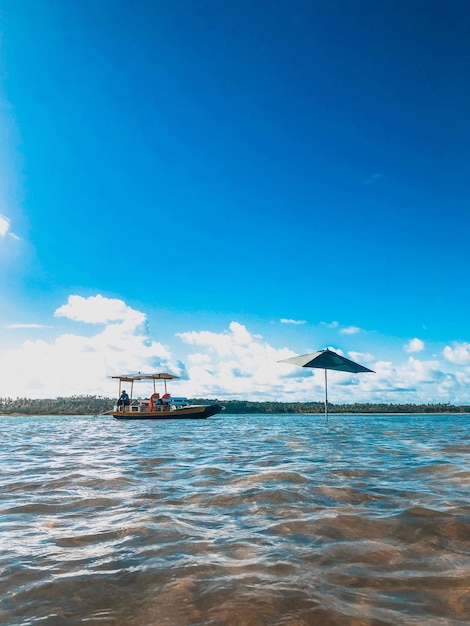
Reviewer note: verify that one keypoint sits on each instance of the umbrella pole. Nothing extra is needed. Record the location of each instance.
(326, 397)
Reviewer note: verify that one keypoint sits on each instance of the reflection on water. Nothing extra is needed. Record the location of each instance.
(236, 520)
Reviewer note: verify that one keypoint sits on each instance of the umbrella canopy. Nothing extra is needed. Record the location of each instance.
(327, 360)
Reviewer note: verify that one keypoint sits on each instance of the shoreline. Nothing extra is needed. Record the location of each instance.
(267, 413)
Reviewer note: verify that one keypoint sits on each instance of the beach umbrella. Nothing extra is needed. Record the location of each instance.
(327, 360)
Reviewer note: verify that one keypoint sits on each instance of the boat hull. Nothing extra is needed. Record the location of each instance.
(196, 412)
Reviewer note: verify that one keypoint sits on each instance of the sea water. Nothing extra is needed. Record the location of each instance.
(235, 520)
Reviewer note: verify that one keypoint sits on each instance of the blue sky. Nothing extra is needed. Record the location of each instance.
(210, 187)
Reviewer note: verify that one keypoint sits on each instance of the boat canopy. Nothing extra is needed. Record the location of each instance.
(130, 378)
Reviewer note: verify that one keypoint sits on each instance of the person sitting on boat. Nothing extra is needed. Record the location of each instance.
(123, 400)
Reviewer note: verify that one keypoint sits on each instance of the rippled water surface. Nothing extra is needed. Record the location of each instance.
(235, 520)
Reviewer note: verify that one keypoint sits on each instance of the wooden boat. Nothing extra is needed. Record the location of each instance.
(156, 406)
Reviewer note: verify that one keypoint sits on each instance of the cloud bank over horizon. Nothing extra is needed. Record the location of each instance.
(232, 364)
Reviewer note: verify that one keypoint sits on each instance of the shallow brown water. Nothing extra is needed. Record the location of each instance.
(237, 520)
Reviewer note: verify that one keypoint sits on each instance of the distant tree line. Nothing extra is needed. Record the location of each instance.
(96, 405)
(246, 406)
(75, 405)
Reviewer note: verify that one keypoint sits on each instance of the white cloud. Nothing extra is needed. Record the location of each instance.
(330, 324)
(233, 363)
(350, 330)
(99, 310)
(5, 227)
(75, 364)
(361, 357)
(345, 330)
(413, 381)
(417, 372)
(459, 354)
(14, 326)
(415, 345)
(284, 320)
